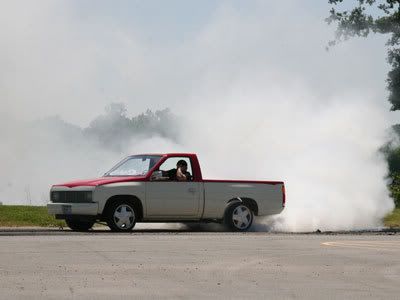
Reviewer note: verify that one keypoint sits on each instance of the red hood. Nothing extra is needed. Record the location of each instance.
(100, 181)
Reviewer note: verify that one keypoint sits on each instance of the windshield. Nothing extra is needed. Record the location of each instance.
(137, 165)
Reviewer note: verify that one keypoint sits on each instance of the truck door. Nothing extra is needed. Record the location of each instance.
(168, 198)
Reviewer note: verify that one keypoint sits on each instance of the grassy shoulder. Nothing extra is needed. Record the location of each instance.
(22, 215)
(393, 219)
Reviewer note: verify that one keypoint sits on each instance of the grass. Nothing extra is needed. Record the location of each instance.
(23, 215)
(393, 219)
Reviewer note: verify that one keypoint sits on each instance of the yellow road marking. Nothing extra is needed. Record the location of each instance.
(374, 245)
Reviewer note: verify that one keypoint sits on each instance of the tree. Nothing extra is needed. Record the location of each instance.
(372, 16)
(111, 129)
(116, 109)
(115, 130)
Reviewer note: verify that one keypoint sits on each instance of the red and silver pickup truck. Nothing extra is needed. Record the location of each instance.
(137, 190)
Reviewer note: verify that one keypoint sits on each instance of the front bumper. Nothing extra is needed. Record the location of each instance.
(89, 209)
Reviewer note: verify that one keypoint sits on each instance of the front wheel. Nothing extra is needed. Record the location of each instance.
(238, 217)
(121, 216)
(79, 225)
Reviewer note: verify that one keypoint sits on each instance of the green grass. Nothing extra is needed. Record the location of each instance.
(393, 219)
(22, 215)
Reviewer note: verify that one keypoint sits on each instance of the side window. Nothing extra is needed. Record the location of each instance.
(168, 168)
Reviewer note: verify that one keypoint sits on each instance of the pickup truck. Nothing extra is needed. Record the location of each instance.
(137, 190)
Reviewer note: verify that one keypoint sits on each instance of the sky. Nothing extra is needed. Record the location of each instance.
(100, 51)
(258, 96)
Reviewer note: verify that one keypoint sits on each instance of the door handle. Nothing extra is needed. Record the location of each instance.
(191, 190)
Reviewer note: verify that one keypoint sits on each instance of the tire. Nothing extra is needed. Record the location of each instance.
(238, 217)
(79, 225)
(121, 216)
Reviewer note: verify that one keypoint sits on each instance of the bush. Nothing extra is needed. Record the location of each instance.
(394, 188)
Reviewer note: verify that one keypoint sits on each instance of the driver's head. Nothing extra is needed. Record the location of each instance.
(182, 165)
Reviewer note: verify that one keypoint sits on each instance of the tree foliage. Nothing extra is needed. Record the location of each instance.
(391, 150)
(372, 16)
(115, 130)
(394, 188)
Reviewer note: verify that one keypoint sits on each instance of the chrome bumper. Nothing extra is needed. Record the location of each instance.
(90, 209)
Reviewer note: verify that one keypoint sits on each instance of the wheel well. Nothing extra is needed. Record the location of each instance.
(251, 203)
(135, 201)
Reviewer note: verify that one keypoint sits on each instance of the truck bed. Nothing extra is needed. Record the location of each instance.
(269, 195)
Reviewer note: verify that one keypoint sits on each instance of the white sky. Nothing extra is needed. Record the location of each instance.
(74, 57)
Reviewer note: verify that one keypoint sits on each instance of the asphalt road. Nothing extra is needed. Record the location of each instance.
(175, 264)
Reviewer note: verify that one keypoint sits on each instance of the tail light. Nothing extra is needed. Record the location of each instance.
(283, 195)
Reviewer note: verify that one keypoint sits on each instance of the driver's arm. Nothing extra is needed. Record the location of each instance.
(180, 176)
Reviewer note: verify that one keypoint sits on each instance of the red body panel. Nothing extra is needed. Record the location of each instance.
(100, 181)
(243, 181)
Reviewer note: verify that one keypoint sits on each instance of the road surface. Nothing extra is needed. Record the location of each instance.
(175, 264)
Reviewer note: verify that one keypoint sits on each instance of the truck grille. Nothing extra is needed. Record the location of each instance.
(71, 197)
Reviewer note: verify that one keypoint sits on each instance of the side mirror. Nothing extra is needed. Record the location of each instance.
(157, 175)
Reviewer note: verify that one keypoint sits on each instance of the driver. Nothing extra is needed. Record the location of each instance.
(180, 173)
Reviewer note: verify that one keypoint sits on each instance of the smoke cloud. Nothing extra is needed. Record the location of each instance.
(251, 90)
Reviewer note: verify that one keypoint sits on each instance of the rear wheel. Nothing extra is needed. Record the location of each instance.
(238, 217)
(121, 216)
(79, 225)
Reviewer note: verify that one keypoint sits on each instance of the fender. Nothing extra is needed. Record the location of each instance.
(251, 203)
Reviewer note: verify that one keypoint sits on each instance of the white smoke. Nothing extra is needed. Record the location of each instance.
(260, 98)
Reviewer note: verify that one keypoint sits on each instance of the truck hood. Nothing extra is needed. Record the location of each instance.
(100, 181)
